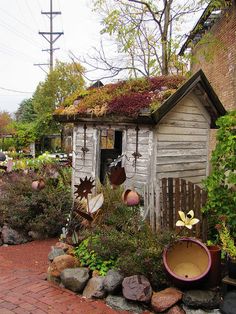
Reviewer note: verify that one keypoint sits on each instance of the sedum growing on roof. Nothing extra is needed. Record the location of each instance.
(127, 98)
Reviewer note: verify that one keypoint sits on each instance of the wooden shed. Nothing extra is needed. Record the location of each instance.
(159, 126)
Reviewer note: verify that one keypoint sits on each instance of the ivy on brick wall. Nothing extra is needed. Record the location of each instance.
(221, 184)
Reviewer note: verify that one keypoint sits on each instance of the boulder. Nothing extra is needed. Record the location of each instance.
(34, 235)
(113, 281)
(121, 304)
(54, 253)
(60, 263)
(137, 288)
(202, 299)
(75, 279)
(94, 288)
(228, 306)
(11, 236)
(64, 246)
(189, 310)
(163, 300)
(176, 310)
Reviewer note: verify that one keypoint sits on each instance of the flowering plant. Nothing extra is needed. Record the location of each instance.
(228, 243)
(187, 220)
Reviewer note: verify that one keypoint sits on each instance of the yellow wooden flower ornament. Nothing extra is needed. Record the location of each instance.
(187, 220)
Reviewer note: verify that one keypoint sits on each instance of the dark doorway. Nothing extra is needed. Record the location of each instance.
(111, 148)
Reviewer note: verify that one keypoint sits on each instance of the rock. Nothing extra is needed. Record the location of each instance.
(120, 303)
(199, 311)
(51, 278)
(54, 253)
(75, 279)
(94, 288)
(64, 246)
(10, 236)
(113, 281)
(228, 306)
(164, 299)
(60, 263)
(176, 310)
(201, 299)
(34, 235)
(137, 288)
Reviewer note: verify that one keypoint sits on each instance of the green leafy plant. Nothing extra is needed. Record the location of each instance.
(221, 183)
(25, 209)
(89, 258)
(228, 243)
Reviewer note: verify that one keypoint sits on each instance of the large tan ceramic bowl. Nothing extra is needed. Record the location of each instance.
(187, 260)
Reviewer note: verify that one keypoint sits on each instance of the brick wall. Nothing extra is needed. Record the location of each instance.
(218, 58)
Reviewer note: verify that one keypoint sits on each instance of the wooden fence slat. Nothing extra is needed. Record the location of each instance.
(171, 205)
(177, 198)
(197, 206)
(183, 195)
(164, 202)
(190, 195)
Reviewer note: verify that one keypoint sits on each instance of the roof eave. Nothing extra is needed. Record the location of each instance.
(198, 77)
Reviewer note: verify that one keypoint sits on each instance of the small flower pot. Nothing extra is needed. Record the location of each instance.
(232, 267)
(213, 278)
(187, 262)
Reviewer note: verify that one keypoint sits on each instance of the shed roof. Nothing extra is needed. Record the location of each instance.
(145, 100)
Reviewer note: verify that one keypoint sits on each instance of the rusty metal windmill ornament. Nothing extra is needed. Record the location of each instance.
(93, 204)
(84, 188)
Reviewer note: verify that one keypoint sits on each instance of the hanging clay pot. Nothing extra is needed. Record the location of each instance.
(130, 198)
(38, 184)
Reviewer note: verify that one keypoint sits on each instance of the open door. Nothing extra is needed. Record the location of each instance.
(111, 148)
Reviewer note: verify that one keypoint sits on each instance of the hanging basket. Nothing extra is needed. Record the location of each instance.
(187, 261)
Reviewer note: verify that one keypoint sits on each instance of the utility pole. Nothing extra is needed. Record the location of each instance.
(51, 36)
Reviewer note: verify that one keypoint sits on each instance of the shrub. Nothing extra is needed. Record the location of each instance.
(125, 238)
(89, 258)
(25, 209)
(221, 183)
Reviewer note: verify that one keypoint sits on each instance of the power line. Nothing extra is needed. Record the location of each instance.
(14, 90)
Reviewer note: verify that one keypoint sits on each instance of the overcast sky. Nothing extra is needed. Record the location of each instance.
(21, 45)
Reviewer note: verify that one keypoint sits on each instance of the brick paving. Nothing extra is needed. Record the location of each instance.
(24, 289)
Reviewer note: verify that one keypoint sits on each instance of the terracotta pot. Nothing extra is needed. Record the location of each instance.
(187, 261)
(214, 276)
(130, 198)
(232, 267)
(38, 184)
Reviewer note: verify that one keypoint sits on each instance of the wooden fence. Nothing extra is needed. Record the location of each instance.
(163, 202)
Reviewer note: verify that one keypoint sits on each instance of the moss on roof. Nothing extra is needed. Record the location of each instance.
(127, 98)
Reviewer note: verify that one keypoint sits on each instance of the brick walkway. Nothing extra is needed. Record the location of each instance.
(24, 290)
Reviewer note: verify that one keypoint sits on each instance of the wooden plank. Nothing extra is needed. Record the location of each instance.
(181, 145)
(164, 129)
(181, 159)
(181, 138)
(183, 195)
(177, 198)
(190, 196)
(182, 167)
(164, 201)
(182, 174)
(185, 117)
(187, 124)
(171, 202)
(197, 201)
(181, 152)
(151, 203)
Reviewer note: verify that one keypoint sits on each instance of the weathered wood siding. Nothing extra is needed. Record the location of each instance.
(137, 176)
(182, 142)
(84, 164)
(89, 164)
